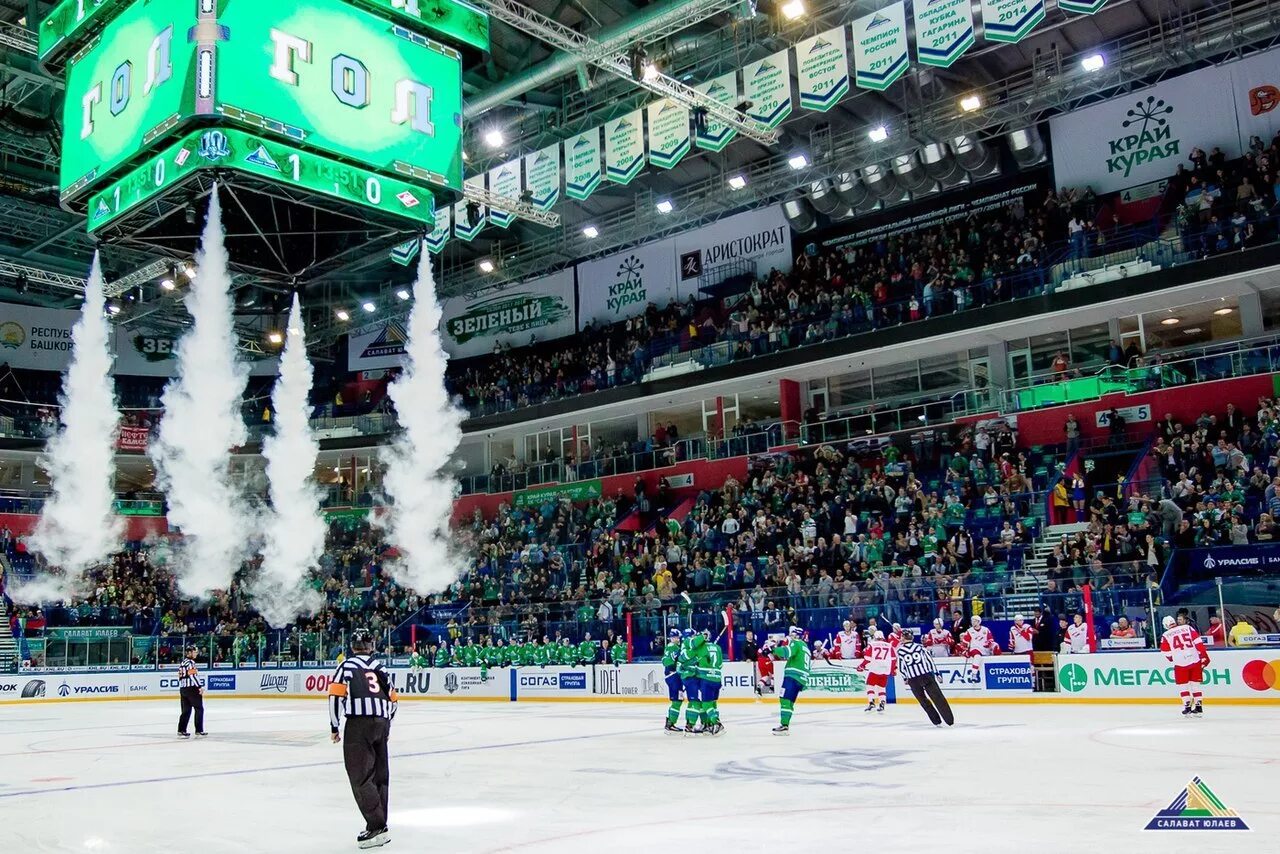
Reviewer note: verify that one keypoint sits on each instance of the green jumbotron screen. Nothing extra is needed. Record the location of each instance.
(345, 81)
(133, 85)
(348, 96)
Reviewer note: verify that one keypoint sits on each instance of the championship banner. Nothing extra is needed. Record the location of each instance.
(542, 176)
(767, 85)
(715, 135)
(880, 47)
(582, 164)
(669, 139)
(1081, 7)
(622, 285)
(504, 181)
(1010, 20)
(439, 236)
(624, 147)
(822, 68)
(473, 323)
(944, 31)
(463, 227)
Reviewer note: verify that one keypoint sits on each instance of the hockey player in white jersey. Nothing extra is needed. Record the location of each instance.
(1185, 649)
(939, 641)
(978, 641)
(848, 645)
(1077, 636)
(878, 658)
(1020, 635)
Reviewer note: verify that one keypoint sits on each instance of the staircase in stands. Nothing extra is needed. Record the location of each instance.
(1028, 584)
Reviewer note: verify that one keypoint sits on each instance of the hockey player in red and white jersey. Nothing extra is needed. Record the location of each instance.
(1077, 636)
(894, 639)
(1185, 648)
(1020, 635)
(978, 641)
(848, 645)
(939, 641)
(878, 658)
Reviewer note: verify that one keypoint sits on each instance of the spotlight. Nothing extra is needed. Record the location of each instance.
(527, 197)
(743, 106)
(494, 138)
(473, 214)
(403, 294)
(369, 306)
(649, 72)
(638, 59)
(190, 214)
(590, 232)
(665, 206)
(879, 133)
(700, 120)
(1170, 321)
(970, 103)
(737, 182)
(113, 307)
(793, 9)
(168, 284)
(275, 337)
(21, 285)
(485, 265)
(1093, 62)
(342, 315)
(189, 270)
(797, 161)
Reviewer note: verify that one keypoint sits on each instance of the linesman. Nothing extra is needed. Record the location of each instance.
(916, 666)
(191, 694)
(362, 693)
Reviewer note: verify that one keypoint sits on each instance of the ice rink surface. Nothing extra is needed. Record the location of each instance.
(603, 777)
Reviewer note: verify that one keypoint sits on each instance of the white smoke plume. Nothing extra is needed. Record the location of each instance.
(78, 527)
(294, 529)
(418, 486)
(201, 424)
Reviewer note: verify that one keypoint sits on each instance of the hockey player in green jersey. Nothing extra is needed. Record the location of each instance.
(795, 652)
(418, 662)
(568, 653)
(542, 655)
(587, 650)
(710, 670)
(618, 653)
(442, 656)
(687, 667)
(675, 684)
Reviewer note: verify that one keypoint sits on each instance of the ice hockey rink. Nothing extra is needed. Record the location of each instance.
(602, 776)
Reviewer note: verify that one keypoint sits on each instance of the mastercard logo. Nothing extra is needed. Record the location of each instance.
(1262, 675)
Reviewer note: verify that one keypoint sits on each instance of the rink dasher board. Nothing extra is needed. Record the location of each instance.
(1236, 676)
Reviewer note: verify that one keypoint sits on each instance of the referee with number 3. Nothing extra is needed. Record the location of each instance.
(916, 666)
(191, 694)
(361, 692)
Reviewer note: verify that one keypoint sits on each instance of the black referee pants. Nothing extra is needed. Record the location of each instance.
(931, 699)
(364, 752)
(192, 701)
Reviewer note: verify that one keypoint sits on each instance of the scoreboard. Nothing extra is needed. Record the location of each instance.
(345, 98)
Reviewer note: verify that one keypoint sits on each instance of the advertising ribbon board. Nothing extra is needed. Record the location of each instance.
(582, 490)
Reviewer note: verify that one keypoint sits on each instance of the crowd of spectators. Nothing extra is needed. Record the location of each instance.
(1228, 205)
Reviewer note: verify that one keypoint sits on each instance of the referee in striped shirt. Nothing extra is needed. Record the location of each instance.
(362, 693)
(191, 694)
(916, 666)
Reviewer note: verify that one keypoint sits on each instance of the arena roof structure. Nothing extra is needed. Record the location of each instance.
(555, 68)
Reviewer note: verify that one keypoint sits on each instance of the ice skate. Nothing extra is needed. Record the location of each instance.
(715, 729)
(373, 838)
(1198, 709)
(880, 708)
(871, 707)
(184, 735)
(671, 729)
(202, 735)
(781, 730)
(1186, 711)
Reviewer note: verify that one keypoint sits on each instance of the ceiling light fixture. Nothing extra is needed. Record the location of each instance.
(737, 182)
(971, 103)
(370, 307)
(1093, 62)
(485, 265)
(590, 232)
(404, 294)
(1222, 312)
(793, 9)
(665, 206)
(494, 138)
(797, 161)
(1170, 321)
(879, 133)
(341, 314)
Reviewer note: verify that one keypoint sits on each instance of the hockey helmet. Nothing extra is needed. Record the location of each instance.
(674, 633)
(879, 635)
(795, 631)
(1168, 622)
(362, 640)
